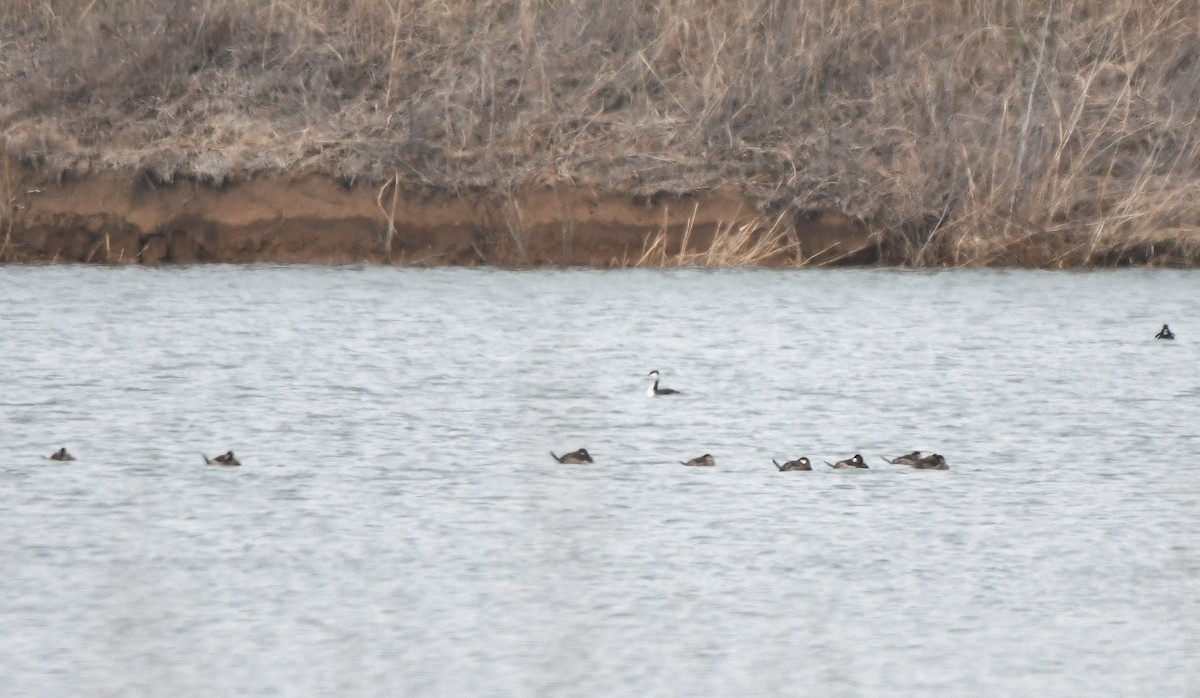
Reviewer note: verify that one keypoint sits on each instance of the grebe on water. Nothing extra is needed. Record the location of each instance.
(655, 390)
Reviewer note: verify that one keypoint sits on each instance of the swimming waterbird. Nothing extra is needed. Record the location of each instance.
(226, 458)
(848, 464)
(932, 462)
(655, 390)
(906, 459)
(800, 463)
(580, 456)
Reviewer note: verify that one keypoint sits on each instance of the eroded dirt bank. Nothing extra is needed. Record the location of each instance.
(119, 217)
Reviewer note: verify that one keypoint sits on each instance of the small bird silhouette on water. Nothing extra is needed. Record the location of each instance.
(61, 454)
(580, 456)
(848, 464)
(906, 459)
(800, 463)
(654, 390)
(226, 458)
(1165, 333)
(704, 460)
(932, 462)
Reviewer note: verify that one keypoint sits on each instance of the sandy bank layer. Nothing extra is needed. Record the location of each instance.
(119, 217)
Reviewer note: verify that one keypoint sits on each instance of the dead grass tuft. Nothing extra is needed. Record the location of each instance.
(754, 243)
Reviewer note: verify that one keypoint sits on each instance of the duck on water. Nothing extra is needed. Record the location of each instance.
(61, 454)
(705, 460)
(580, 456)
(800, 463)
(1165, 333)
(655, 390)
(848, 464)
(931, 462)
(906, 459)
(226, 458)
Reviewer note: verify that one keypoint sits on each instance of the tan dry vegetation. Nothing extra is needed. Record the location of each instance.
(1014, 132)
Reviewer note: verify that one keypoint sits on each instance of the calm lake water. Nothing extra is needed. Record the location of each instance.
(398, 527)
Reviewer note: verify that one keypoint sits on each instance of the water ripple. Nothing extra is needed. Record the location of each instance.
(399, 528)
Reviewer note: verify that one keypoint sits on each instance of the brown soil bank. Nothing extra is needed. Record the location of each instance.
(117, 218)
(917, 132)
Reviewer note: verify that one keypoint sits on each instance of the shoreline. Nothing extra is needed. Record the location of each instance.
(119, 217)
(123, 217)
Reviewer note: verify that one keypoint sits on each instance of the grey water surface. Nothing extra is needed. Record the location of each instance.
(398, 527)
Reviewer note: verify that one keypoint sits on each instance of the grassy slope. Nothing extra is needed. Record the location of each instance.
(968, 132)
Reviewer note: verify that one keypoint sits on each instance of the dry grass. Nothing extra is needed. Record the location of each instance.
(753, 243)
(8, 204)
(1002, 132)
